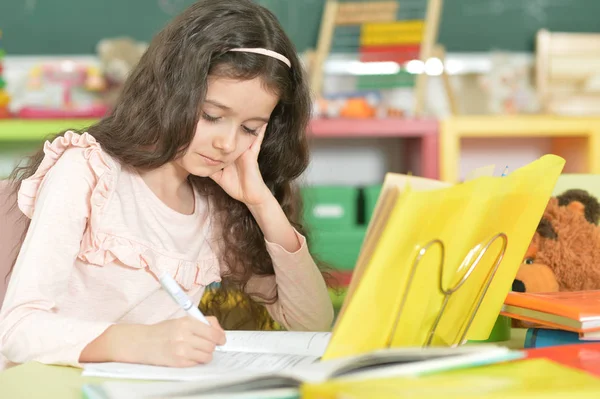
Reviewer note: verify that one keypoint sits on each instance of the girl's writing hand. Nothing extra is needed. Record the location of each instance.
(242, 179)
(180, 342)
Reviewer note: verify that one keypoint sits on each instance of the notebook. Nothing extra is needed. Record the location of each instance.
(265, 372)
(585, 357)
(544, 337)
(245, 352)
(577, 311)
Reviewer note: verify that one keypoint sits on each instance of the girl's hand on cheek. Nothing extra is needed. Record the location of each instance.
(242, 179)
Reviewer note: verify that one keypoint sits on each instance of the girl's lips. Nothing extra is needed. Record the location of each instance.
(210, 161)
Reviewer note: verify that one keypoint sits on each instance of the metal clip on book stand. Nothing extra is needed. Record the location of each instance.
(449, 291)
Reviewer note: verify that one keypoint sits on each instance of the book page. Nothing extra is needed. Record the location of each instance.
(397, 362)
(224, 364)
(285, 342)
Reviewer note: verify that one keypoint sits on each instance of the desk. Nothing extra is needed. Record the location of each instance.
(35, 380)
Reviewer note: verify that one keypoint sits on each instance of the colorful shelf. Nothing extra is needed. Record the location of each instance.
(421, 148)
(577, 139)
(421, 133)
(385, 127)
(35, 130)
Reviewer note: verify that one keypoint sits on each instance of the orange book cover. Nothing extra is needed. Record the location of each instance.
(576, 305)
(548, 324)
(585, 357)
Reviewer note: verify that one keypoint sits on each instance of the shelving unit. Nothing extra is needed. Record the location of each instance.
(577, 139)
(36, 130)
(421, 134)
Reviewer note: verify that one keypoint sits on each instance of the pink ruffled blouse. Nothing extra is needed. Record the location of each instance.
(97, 241)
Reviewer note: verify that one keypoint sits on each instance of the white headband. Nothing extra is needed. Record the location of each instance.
(264, 51)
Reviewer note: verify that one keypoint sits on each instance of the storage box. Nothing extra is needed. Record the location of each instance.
(330, 207)
(371, 194)
(339, 249)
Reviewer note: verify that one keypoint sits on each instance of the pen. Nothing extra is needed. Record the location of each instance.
(505, 172)
(175, 291)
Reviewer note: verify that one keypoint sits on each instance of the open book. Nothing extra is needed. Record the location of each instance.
(245, 352)
(271, 360)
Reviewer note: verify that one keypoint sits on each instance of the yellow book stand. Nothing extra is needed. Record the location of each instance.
(438, 260)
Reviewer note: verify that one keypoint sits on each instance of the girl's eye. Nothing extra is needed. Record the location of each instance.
(529, 261)
(209, 118)
(250, 131)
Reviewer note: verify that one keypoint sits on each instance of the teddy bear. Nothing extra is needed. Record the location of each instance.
(564, 254)
(117, 56)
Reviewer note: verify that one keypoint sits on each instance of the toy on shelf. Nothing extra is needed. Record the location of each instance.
(394, 43)
(508, 86)
(69, 76)
(118, 56)
(360, 105)
(4, 97)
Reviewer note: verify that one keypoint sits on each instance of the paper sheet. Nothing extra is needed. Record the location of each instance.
(223, 363)
(288, 342)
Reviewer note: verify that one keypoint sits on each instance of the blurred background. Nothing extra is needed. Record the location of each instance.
(428, 87)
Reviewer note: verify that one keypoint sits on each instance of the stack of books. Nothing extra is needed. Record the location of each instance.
(556, 318)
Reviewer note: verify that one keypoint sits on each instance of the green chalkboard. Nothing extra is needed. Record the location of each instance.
(75, 26)
(483, 25)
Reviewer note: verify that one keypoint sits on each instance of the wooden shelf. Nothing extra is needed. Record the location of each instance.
(27, 130)
(575, 138)
(481, 126)
(385, 127)
(424, 132)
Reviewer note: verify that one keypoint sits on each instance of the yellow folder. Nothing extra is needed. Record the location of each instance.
(437, 263)
(535, 378)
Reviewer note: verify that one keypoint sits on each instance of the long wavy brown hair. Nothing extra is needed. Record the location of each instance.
(155, 117)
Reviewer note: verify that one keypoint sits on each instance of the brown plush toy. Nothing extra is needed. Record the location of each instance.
(564, 254)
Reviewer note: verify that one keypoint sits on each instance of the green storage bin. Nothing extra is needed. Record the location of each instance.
(501, 331)
(339, 249)
(337, 296)
(371, 194)
(330, 207)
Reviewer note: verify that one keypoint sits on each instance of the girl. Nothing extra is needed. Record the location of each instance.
(190, 175)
